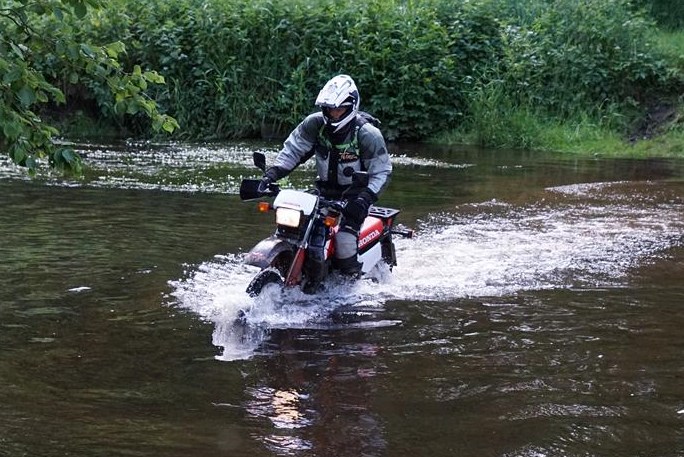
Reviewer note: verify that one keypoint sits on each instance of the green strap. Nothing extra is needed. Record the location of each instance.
(334, 152)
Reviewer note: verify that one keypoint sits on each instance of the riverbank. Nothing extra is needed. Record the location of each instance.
(654, 129)
(580, 76)
(659, 134)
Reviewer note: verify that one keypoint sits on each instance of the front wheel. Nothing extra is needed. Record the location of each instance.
(263, 279)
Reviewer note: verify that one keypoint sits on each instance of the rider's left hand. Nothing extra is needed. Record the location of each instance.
(356, 209)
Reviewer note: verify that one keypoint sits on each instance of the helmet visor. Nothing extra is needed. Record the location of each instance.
(335, 114)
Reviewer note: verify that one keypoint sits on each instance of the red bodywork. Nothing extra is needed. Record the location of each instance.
(371, 230)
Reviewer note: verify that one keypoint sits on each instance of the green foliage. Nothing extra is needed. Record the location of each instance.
(668, 13)
(582, 55)
(234, 67)
(583, 63)
(240, 68)
(38, 49)
(671, 45)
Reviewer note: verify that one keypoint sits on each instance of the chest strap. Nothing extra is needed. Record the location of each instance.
(334, 151)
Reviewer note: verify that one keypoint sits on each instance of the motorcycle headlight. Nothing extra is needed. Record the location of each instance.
(288, 217)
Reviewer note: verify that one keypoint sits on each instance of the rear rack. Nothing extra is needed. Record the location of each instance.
(389, 213)
(382, 213)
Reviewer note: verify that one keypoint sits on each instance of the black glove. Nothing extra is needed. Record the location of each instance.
(270, 176)
(356, 209)
(264, 185)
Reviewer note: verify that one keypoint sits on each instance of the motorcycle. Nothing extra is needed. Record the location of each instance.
(301, 251)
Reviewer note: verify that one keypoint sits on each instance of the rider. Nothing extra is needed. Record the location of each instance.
(343, 139)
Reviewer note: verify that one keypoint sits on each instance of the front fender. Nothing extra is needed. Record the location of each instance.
(265, 252)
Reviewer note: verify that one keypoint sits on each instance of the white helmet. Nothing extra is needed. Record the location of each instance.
(339, 91)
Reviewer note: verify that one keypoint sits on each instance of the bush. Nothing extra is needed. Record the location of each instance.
(585, 61)
(235, 68)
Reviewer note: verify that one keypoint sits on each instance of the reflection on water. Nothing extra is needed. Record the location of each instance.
(537, 312)
(317, 397)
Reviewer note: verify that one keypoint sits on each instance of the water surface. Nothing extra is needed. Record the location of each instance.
(536, 313)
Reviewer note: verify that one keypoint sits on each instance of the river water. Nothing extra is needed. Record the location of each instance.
(537, 312)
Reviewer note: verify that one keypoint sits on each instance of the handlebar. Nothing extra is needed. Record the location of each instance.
(337, 205)
(273, 191)
(249, 190)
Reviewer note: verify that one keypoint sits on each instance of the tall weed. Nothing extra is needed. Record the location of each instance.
(237, 68)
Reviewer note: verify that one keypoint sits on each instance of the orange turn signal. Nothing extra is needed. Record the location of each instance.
(264, 207)
(330, 221)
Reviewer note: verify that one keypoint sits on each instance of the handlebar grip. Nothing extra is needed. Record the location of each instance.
(273, 190)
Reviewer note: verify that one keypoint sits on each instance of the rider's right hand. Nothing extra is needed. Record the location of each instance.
(264, 184)
(270, 176)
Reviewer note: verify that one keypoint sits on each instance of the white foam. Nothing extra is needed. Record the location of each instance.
(452, 257)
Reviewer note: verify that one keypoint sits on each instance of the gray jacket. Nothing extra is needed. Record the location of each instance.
(363, 149)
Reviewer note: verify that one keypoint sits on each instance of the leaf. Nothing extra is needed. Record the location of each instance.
(58, 95)
(170, 124)
(31, 164)
(17, 50)
(68, 160)
(57, 11)
(87, 50)
(72, 51)
(68, 155)
(38, 8)
(19, 155)
(153, 77)
(27, 96)
(148, 106)
(11, 130)
(114, 49)
(80, 10)
(132, 108)
(13, 75)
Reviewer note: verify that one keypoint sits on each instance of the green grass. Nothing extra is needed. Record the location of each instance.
(583, 136)
(670, 144)
(671, 44)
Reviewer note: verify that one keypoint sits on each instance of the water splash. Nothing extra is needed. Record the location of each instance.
(580, 236)
(216, 291)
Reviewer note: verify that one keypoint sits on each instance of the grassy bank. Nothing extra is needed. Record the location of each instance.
(651, 126)
(526, 131)
(592, 76)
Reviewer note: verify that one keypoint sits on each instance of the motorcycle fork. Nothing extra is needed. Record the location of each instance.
(294, 275)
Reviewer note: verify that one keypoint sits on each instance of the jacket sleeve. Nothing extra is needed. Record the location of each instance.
(298, 144)
(375, 158)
